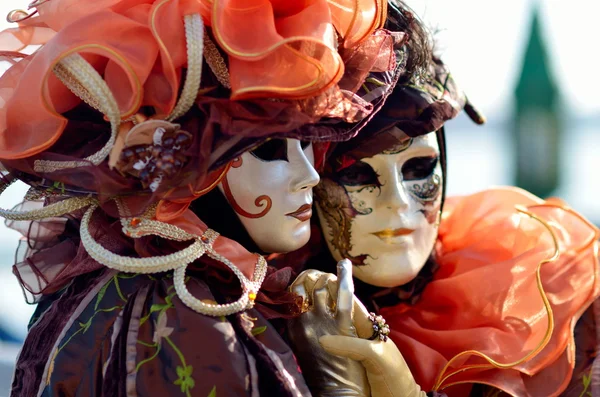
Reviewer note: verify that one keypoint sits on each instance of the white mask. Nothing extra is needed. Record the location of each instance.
(270, 189)
(391, 204)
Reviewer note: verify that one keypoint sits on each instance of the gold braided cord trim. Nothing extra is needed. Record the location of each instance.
(216, 62)
(136, 227)
(34, 194)
(493, 363)
(85, 82)
(75, 86)
(246, 300)
(157, 228)
(125, 213)
(194, 33)
(214, 310)
(260, 271)
(156, 264)
(57, 209)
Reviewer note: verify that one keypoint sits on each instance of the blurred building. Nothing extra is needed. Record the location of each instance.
(537, 119)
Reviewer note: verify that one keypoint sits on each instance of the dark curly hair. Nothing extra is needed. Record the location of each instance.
(420, 47)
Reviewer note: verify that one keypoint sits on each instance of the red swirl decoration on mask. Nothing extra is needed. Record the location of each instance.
(260, 201)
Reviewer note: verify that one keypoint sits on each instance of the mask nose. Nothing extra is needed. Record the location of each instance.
(393, 195)
(306, 176)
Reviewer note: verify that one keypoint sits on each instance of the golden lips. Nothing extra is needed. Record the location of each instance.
(388, 234)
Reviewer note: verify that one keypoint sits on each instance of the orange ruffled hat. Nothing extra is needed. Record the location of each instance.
(275, 49)
(515, 274)
(298, 39)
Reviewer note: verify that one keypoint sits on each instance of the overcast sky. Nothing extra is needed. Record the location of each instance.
(484, 42)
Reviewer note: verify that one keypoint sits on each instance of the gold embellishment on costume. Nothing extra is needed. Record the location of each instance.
(57, 209)
(177, 261)
(85, 82)
(243, 303)
(145, 226)
(194, 33)
(71, 82)
(216, 62)
(493, 363)
(156, 264)
(16, 16)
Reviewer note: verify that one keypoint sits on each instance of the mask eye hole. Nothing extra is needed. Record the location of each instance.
(272, 150)
(358, 174)
(419, 168)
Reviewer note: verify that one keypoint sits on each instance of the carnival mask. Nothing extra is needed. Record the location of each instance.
(382, 212)
(270, 189)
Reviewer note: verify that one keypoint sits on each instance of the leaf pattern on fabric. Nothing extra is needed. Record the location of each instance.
(185, 380)
(162, 331)
(85, 326)
(587, 381)
(258, 330)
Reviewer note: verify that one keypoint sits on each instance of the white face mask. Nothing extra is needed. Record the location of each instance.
(391, 204)
(270, 189)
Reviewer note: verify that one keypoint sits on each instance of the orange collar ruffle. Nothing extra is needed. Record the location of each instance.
(516, 272)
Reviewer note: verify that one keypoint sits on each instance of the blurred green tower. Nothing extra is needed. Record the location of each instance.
(537, 122)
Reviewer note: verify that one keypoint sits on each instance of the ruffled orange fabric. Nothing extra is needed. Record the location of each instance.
(483, 318)
(288, 49)
(138, 46)
(279, 49)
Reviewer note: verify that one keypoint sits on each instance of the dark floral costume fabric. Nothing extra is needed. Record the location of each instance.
(129, 335)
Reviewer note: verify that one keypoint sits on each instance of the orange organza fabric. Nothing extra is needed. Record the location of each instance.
(288, 49)
(139, 48)
(281, 49)
(483, 319)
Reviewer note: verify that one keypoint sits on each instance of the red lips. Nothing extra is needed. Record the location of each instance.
(303, 213)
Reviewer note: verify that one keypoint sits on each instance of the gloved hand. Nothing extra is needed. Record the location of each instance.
(328, 312)
(387, 372)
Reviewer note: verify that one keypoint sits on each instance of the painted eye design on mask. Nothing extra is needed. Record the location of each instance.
(424, 184)
(358, 177)
(419, 168)
(271, 150)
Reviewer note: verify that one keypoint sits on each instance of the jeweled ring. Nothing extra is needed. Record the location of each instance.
(380, 329)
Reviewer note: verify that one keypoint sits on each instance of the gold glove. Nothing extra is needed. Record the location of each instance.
(327, 313)
(387, 372)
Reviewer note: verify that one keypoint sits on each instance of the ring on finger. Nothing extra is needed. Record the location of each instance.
(380, 329)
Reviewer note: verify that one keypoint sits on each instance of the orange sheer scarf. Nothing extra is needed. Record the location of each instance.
(502, 307)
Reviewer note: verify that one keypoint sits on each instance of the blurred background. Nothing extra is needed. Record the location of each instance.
(527, 64)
